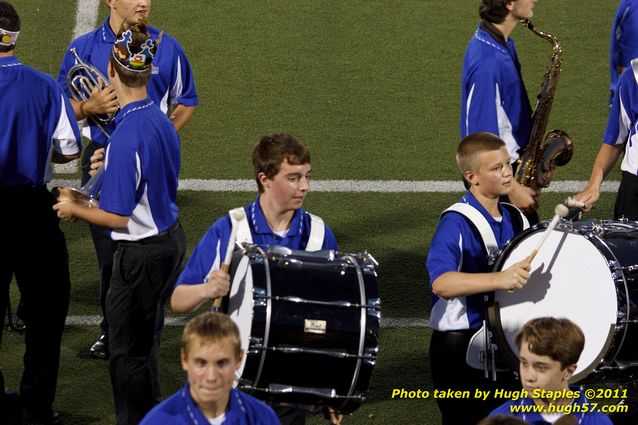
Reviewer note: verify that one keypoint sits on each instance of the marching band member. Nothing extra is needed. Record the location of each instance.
(37, 127)
(171, 87)
(549, 350)
(619, 137)
(624, 42)
(282, 171)
(494, 98)
(211, 354)
(460, 274)
(137, 203)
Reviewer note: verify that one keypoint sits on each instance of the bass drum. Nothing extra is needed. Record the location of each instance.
(587, 272)
(309, 324)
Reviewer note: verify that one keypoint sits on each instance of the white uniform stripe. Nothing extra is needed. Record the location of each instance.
(505, 129)
(467, 111)
(178, 88)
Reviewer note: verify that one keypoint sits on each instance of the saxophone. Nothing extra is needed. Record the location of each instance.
(541, 156)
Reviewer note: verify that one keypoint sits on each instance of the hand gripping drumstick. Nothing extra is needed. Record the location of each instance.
(560, 211)
(236, 216)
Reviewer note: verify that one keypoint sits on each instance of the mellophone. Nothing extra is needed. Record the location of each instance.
(309, 324)
(587, 272)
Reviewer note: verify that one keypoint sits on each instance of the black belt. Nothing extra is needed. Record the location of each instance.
(629, 176)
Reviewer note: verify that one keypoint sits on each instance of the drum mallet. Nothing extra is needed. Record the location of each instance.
(559, 211)
(229, 253)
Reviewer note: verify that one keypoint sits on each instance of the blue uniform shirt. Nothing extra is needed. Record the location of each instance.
(624, 39)
(493, 96)
(523, 409)
(623, 116)
(180, 409)
(36, 119)
(141, 171)
(211, 249)
(171, 82)
(457, 247)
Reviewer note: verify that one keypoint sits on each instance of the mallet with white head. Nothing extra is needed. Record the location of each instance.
(236, 216)
(560, 211)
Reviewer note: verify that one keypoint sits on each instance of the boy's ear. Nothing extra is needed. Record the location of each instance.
(184, 359)
(110, 70)
(240, 358)
(262, 179)
(470, 177)
(568, 372)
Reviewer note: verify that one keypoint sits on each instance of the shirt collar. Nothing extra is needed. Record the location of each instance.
(139, 104)
(108, 36)
(260, 224)
(9, 61)
(469, 198)
(494, 32)
(192, 410)
(235, 406)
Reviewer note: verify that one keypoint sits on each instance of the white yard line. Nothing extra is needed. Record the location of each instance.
(85, 16)
(400, 322)
(86, 13)
(377, 186)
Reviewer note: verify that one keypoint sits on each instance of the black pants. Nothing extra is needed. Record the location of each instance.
(290, 415)
(627, 198)
(451, 371)
(104, 246)
(34, 250)
(144, 273)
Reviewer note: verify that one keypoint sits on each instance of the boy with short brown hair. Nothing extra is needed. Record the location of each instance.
(549, 349)
(461, 273)
(211, 354)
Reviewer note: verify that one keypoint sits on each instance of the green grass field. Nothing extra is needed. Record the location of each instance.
(372, 87)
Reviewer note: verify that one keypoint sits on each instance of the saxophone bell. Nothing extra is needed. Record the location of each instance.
(558, 148)
(556, 151)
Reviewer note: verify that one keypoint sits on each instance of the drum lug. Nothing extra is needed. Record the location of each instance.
(598, 229)
(367, 259)
(290, 263)
(252, 251)
(491, 259)
(260, 302)
(374, 303)
(374, 313)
